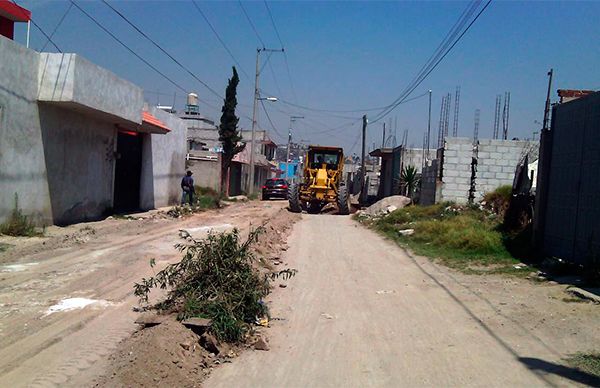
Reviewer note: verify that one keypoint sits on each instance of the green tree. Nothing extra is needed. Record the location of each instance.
(409, 179)
(229, 135)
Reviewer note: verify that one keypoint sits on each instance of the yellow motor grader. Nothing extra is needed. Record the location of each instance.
(322, 182)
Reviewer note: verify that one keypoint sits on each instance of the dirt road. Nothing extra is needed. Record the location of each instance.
(40, 346)
(361, 312)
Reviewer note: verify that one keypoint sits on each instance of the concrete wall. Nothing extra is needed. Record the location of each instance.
(456, 170)
(79, 157)
(72, 79)
(429, 183)
(497, 161)
(207, 172)
(413, 157)
(22, 162)
(168, 159)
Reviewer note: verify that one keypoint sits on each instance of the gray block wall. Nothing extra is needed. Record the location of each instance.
(497, 161)
(456, 170)
(429, 183)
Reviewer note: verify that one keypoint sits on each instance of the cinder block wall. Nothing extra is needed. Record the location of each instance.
(413, 157)
(497, 161)
(456, 170)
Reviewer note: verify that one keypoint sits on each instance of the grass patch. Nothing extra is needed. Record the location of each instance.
(218, 279)
(18, 224)
(586, 362)
(205, 198)
(462, 237)
(252, 197)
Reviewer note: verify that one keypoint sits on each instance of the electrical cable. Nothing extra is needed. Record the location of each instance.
(417, 81)
(219, 38)
(39, 28)
(270, 121)
(251, 24)
(56, 28)
(287, 66)
(163, 50)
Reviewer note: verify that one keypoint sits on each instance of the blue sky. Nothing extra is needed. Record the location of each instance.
(343, 56)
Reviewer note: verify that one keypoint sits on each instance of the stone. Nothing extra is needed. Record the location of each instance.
(261, 344)
(200, 323)
(185, 345)
(149, 319)
(210, 343)
(391, 208)
(406, 232)
(381, 206)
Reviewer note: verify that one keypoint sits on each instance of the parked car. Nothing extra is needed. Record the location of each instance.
(275, 188)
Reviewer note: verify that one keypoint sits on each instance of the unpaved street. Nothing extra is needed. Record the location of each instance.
(361, 312)
(98, 261)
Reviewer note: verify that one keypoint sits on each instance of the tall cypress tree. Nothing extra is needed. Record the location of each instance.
(229, 135)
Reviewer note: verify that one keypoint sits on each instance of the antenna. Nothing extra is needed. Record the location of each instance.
(476, 131)
(456, 104)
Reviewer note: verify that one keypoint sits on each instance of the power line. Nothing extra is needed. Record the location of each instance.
(219, 38)
(251, 24)
(270, 121)
(56, 28)
(287, 66)
(162, 50)
(437, 58)
(128, 48)
(39, 28)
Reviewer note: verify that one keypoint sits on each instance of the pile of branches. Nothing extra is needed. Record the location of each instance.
(218, 279)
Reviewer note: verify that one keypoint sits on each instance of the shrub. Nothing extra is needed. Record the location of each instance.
(18, 224)
(497, 201)
(215, 279)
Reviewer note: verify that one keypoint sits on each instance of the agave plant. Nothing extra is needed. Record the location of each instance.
(409, 179)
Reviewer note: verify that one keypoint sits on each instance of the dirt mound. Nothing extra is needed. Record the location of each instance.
(273, 240)
(381, 206)
(164, 355)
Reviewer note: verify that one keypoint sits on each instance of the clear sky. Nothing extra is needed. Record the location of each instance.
(342, 56)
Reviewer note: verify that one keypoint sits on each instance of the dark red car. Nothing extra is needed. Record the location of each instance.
(275, 188)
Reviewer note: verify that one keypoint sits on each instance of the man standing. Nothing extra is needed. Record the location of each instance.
(187, 185)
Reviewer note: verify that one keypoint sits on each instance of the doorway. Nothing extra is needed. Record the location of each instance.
(128, 171)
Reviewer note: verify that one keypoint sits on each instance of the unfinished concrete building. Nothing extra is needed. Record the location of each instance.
(78, 142)
(464, 171)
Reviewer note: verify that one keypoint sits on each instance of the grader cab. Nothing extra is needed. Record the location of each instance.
(322, 182)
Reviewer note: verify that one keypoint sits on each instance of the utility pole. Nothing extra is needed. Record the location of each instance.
(287, 159)
(383, 142)
(254, 106)
(362, 160)
(547, 108)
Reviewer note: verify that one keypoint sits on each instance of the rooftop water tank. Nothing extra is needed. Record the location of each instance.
(192, 99)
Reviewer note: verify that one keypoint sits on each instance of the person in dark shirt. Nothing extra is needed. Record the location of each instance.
(187, 185)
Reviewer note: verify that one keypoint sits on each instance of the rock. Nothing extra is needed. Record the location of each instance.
(241, 198)
(406, 232)
(210, 343)
(283, 285)
(185, 345)
(149, 319)
(261, 344)
(197, 323)
(584, 294)
(391, 208)
(380, 207)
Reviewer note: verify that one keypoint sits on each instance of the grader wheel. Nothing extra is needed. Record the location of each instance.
(342, 201)
(294, 198)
